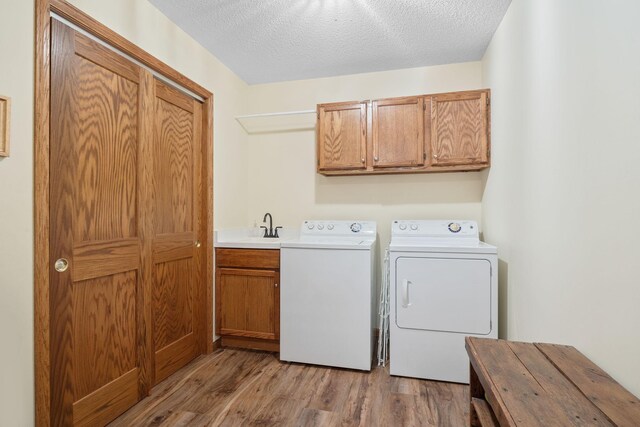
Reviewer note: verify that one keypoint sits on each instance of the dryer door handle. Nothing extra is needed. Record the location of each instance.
(405, 293)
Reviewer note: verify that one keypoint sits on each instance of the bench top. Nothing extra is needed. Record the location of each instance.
(548, 385)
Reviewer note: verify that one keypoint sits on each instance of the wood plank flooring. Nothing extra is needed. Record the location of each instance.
(233, 387)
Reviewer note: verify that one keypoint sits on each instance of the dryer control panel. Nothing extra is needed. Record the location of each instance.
(437, 229)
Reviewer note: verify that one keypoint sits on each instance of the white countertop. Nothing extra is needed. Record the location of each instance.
(244, 238)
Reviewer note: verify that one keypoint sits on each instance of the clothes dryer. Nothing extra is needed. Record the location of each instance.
(443, 287)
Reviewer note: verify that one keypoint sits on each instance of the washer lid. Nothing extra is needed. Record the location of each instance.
(362, 243)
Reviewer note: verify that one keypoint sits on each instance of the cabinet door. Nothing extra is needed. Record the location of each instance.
(342, 136)
(459, 129)
(398, 132)
(248, 303)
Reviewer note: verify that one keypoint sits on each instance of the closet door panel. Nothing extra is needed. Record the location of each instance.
(176, 303)
(173, 166)
(97, 323)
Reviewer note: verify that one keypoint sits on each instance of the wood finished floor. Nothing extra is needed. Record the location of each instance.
(247, 388)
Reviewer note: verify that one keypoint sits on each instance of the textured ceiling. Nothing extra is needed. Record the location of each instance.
(276, 40)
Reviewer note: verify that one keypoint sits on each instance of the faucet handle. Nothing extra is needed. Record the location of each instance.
(266, 231)
(275, 233)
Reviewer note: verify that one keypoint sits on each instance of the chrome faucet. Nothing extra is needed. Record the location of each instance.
(269, 232)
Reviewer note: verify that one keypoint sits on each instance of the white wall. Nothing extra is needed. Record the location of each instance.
(141, 23)
(561, 199)
(282, 170)
(16, 219)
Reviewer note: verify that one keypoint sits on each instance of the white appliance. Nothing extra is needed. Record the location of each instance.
(327, 294)
(443, 287)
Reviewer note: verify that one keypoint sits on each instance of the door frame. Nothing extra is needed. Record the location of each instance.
(43, 10)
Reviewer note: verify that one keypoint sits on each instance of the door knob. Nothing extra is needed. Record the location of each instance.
(61, 265)
(197, 244)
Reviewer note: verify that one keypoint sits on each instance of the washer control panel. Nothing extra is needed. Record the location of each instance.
(338, 228)
(435, 228)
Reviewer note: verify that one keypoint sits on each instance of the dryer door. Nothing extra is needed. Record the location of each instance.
(444, 294)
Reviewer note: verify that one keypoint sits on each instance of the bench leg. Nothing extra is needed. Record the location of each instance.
(475, 390)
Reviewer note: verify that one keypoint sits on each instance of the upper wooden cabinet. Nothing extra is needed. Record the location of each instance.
(398, 132)
(342, 136)
(459, 129)
(417, 134)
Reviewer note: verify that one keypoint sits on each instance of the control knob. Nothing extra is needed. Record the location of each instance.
(356, 227)
(330, 227)
(402, 226)
(320, 226)
(414, 227)
(310, 226)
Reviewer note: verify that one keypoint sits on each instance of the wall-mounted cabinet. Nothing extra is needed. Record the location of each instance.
(342, 136)
(417, 134)
(398, 132)
(460, 129)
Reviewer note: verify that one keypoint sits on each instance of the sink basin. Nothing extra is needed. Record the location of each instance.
(261, 239)
(239, 239)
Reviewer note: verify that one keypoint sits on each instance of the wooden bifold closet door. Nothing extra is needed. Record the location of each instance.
(127, 306)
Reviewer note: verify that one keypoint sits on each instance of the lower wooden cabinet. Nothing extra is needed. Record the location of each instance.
(248, 298)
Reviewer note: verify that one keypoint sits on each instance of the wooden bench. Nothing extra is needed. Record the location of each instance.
(524, 384)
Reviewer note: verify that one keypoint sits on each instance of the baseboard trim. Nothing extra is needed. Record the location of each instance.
(250, 343)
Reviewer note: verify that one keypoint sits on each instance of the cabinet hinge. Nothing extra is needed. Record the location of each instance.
(488, 100)
(424, 107)
(424, 156)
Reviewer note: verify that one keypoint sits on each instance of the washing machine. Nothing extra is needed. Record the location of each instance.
(327, 294)
(443, 287)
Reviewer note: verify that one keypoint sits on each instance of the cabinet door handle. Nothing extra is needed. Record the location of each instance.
(362, 160)
(276, 285)
(375, 158)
